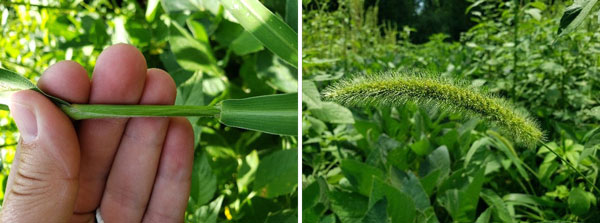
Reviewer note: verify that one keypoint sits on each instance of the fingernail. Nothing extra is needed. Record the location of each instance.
(26, 121)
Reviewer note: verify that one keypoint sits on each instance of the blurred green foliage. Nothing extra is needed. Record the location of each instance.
(211, 58)
(453, 168)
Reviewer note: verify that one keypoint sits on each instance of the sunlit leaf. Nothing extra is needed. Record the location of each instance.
(269, 29)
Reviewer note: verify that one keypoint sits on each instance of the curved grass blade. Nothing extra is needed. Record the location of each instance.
(269, 29)
(276, 114)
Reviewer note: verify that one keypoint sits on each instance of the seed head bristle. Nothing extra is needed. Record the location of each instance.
(397, 88)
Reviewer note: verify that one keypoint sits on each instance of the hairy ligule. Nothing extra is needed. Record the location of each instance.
(391, 89)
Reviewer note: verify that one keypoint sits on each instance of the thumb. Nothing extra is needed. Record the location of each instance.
(43, 179)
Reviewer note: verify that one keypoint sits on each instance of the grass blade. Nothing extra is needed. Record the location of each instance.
(276, 114)
(269, 29)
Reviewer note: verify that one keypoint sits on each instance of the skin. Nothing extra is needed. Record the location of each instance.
(133, 170)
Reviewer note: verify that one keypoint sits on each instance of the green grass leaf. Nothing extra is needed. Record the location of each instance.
(277, 174)
(275, 114)
(291, 13)
(269, 29)
(574, 16)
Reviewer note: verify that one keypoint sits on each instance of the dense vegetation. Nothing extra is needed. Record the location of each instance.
(414, 163)
(239, 175)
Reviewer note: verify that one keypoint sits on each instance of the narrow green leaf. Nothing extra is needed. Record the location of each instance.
(291, 13)
(574, 15)
(275, 114)
(276, 174)
(269, 29)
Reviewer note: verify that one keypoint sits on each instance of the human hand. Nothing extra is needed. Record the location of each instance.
(133, 170)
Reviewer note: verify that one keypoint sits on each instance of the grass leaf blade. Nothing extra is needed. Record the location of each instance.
(269, 29)
(275, 114)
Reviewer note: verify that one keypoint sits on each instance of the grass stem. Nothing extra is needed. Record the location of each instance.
(85, 111)
(571, 166)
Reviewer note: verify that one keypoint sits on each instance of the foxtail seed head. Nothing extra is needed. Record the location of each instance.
(397, 88)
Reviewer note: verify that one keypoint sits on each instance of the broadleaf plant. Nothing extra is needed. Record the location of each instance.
(275, 114)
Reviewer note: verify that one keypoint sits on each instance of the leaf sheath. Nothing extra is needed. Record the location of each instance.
(83, 111)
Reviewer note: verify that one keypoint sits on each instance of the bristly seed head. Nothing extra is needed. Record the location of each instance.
(397, 88)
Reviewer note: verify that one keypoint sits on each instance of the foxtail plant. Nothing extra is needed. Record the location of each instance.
(397, 88)
(275, 114)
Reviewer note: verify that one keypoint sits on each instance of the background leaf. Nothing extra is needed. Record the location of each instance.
(574, 15)
(269, 29)
(204, 182)
(276, 174)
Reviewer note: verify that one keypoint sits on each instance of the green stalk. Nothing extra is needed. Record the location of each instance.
(85, 111)
(571, 166)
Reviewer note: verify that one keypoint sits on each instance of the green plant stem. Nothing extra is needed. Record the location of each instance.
(84, 111)
(571, 166)
(516, 42)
